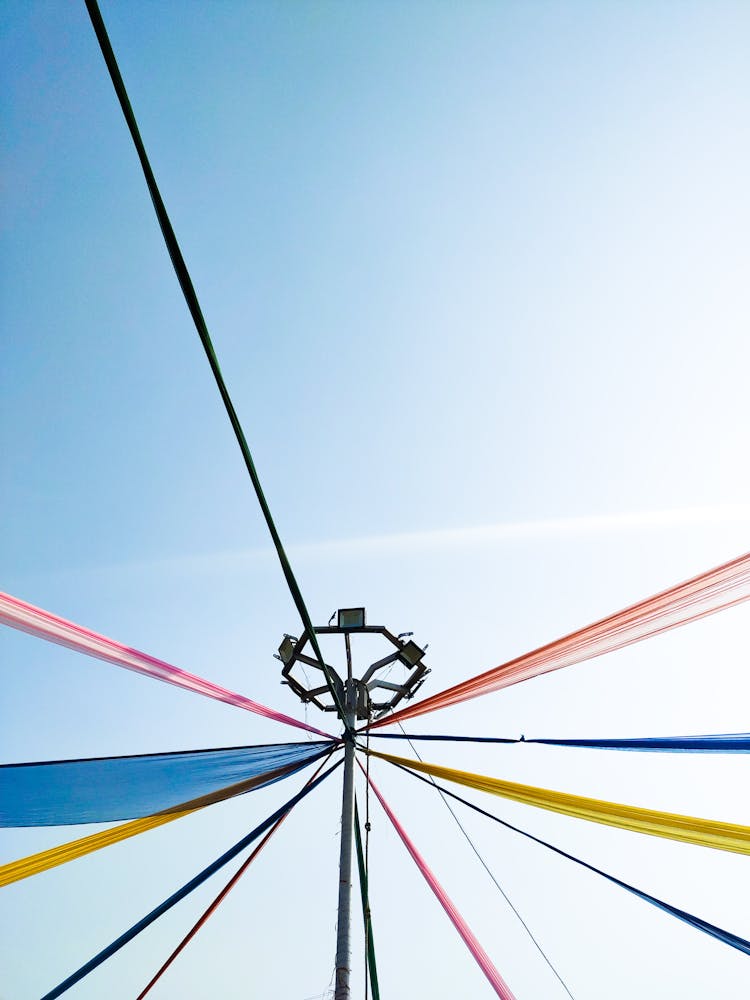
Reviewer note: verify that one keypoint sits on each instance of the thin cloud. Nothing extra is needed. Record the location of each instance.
(594, 524)
(458, 538)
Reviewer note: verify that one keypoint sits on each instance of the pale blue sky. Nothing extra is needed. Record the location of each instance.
(465, 265)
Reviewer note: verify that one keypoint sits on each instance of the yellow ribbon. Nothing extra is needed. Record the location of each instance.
(690, 829)
(35, 863)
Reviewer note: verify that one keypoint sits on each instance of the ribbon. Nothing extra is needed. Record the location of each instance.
(481, 957)
(726, 937)
(719, 743)
(688, 829)
(14, 871)
(105, 789)
(213, 906)
(184, 891)
(28, 618)
(703, 595)
(722, 743)
(191, 300)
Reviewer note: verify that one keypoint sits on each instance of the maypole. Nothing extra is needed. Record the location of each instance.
(343, 933)
(356, 695)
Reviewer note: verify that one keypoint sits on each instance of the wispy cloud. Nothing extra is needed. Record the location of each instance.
(461, 538)
(592, 524)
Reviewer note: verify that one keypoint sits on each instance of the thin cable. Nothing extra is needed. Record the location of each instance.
(191, 299)
(367, 858)
(489, 872)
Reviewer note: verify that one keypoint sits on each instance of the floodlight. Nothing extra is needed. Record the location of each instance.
(286, 649)
(351, 618)
(411, 654)
(354, 693)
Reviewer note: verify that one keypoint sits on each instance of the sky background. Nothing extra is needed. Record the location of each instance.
(477, 278)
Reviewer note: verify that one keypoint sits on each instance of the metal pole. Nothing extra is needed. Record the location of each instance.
(343, 938)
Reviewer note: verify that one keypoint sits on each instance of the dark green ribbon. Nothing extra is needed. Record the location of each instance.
(193, 305)
(371, 964)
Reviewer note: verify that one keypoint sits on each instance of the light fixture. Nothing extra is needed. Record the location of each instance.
(411, 654)
(340, 689)
(286, 649)
(351, 618)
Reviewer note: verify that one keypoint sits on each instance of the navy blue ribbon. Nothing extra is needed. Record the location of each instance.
(199, 879)
(733, 940)
(719, 743)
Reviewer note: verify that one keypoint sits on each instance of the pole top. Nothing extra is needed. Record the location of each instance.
(400, 651)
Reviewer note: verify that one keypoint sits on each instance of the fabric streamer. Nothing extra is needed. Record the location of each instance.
(725, 743)
(14, 871)
(372, 967)
(28, 618)
(726, 937)
(481, 957)
(443, 738)
(221, 896)
(191, 300)
(185, 890)
(720, 743)
(688, 829)
(703, 595)
(105, 789)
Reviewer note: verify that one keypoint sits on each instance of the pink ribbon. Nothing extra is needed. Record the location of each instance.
(480, 955)
(27, 618)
